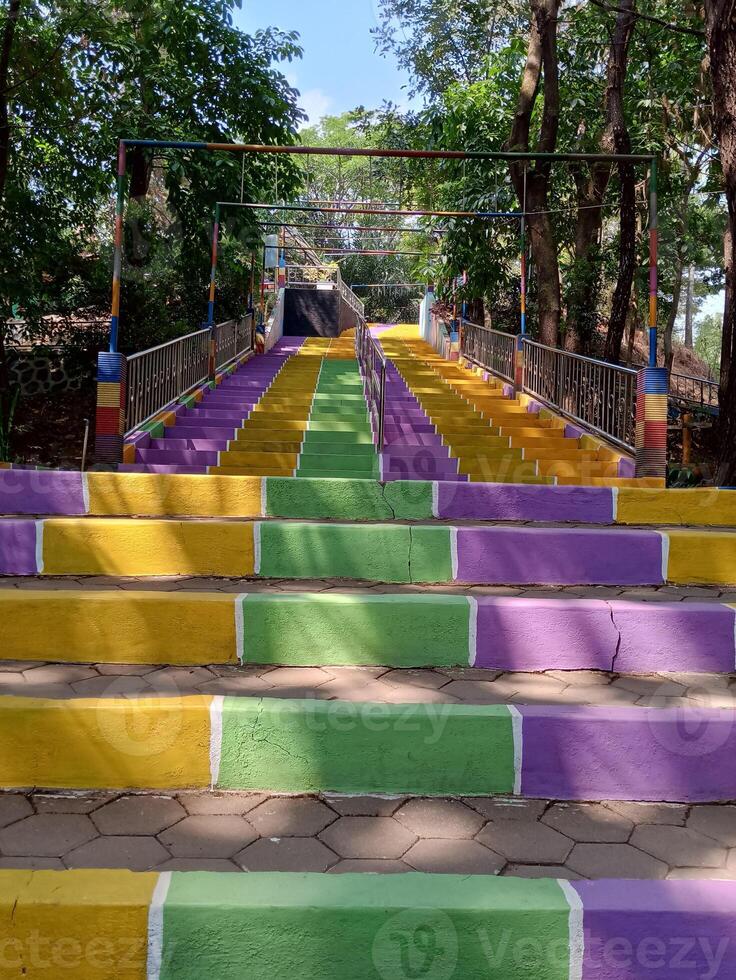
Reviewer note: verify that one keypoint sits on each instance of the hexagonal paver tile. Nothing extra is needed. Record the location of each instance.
(290, 816)
(368, 837)
(614, 861)
(59, 674)
(286, 854)
(526, 842)
(47, 835)
(680, 847)
(13, 806)
(135, 815)
(439, 818)
(500, 808)
(430, 679)
(364, 806)
(298, 677)
(198, 864)
(234, 804)
(70, 803)
(589, 822)
(32, 864)
(132, 853)
(540, 871)
(699, 874)
(454, 857)
(667, 814)
(208, 836)
(352, 866)
(718, 822)
(475, 692)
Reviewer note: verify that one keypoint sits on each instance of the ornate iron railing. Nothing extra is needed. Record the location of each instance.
(598, 395)
(492, 350)
(696, 391)
(348, 296)
(373, 370)
(161, 375)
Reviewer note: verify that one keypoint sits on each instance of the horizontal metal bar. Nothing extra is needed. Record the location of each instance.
(337, 228)
(169, 343)
(392, 213)
(581, 357)
(407, 154)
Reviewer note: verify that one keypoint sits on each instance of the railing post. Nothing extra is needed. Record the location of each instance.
(112, 403)
(652, 397)
(519, 364)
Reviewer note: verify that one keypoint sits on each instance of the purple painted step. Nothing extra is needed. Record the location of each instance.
(158, 468)
(201, 445)
(177, 457)
(197, 429)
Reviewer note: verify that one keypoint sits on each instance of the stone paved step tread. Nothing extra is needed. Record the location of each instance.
(460, 685)
(101, 494)
(326, 626)
(419, 745)
(259, 832)
(491, 555)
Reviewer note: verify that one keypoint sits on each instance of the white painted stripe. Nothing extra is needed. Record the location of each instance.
(453, 552)
(240, 626)
(665, 554)
(39, 547)
(380, 467)
(264, 496)
(614, 504)
(85, 492)
(435, 499)
(215, 738)
(219, 454)
(472, 630)
(517, 727)
(156, 926)
(523, 454)
(257, 547)
(576, 930)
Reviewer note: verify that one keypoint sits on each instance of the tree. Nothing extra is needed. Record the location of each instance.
(532, 182)
(443, 42)
(708, 341)
(721, 32)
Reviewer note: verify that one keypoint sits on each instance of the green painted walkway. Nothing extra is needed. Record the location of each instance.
(339, 442)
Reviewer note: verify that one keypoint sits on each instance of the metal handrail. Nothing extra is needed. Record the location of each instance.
(354, 302)
(598, 395)
(372, 364)
(162, 375)
(493, 350)
(686, 387)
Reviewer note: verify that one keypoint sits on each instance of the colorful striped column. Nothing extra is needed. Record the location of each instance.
(112, 393)
(652, 397)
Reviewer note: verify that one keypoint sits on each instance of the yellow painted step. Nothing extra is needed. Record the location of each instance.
(251, 471)
(254, 458)
(586, 470)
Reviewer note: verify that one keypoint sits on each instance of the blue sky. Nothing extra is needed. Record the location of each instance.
(340, 68)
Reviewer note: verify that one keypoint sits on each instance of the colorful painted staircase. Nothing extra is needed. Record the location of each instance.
(261, 725)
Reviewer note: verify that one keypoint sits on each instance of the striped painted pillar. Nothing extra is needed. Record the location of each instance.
(112, 390)
(519, 364)
(652, 396)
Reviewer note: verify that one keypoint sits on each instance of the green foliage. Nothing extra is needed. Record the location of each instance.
(708, 340)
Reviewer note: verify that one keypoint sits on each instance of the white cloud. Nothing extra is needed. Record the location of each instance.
(316, 104)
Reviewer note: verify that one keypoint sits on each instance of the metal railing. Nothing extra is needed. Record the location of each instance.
(598, 395)
(492, 350)
(696, 391)
(373, 370)
(161, 375)
(232, 339)
(310, 276)
(354, 302)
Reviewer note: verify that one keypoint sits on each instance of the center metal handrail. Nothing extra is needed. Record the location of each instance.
(372, 363)
(598, 395)
(490, 349)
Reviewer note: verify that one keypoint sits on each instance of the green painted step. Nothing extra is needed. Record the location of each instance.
(312, 447)
(313, 474)
(336, 436)
(325, 463)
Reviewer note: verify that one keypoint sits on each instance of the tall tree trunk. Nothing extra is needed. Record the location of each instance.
(689, 307)
(11, 23)
(721, 27)
(633, 321)
(532, 182)
(584, 277)
(617, 140)
(669, 350)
